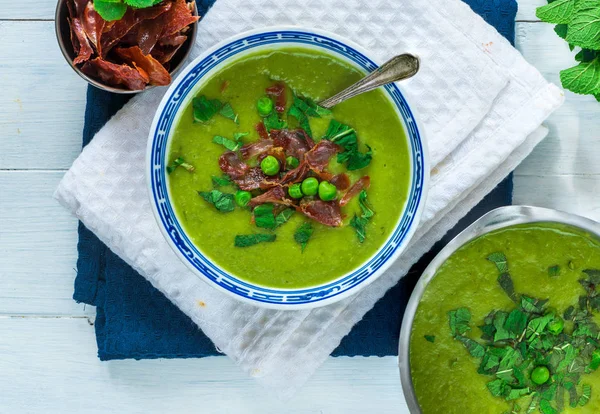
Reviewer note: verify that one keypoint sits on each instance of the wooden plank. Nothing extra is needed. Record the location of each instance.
(52, 366)
(37, 247)
(527, 9)
(42, 101)
(41, 9)
(574, 139)
(573, 194)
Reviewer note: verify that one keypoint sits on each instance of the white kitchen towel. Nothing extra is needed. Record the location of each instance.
(481, 106)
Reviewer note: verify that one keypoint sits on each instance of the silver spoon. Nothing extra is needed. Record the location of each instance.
(396, 69)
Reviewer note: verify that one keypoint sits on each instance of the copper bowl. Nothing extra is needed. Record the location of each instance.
(63, 35)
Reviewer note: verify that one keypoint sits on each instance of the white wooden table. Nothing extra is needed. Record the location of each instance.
(47, 346)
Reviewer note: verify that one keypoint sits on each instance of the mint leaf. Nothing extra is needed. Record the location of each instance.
(554, 271)
(532, 305)
(263, 216)
(110, 10)
(561, 30)
(222, 181)
(252, 239)
(227, 112)
(546, 407)
(302, 119)
(516, 393)
(283, 217)
(506, 283)
(430, 338)
(359, 223)
(475, 348)
(584, 27)
(586, 393)
(180, 162)
(205, 109)
(227, 143)
(345, 137)
(499, 259)
(586, 55)
(498, 388)
(223, 202)
(303, 235)
(559, 11)
(273, 122)
(140, 4)
(459, 321)
(583, 78)
(516, 322)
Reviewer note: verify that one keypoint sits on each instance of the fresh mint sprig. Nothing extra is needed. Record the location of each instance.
(578, 22)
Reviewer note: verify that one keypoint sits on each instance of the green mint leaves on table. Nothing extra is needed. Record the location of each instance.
(578, 22)
(528, 352)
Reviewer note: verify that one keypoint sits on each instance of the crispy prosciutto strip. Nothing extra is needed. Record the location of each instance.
(276, 195)
(341, 181)
(130, 20)
(325, 212)
(114, 74)
(293, 141)
(278, 92)
(256, 148)
(362, 184)
(318, 157)
(157, 74)
(81, 44)
(254, 179)
(296, 175)
(262, 130)
(93, 25)
(177, 18)
(233, 166)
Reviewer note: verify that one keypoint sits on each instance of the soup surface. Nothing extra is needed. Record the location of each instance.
(284, 261)
(544, 261)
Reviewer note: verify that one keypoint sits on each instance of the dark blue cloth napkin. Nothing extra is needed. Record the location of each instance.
(134, 320)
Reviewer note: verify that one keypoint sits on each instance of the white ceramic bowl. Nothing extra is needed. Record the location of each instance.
(180, 95)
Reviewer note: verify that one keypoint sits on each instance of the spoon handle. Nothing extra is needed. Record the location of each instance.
(398, 68)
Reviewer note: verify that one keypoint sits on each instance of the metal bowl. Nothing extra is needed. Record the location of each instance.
(494, 220)
(63, 35)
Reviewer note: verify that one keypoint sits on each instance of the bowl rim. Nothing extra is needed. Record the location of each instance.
(62, 45)
(496, 219)
(419, 173)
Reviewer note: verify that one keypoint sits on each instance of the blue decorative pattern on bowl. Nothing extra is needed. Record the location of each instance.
(157, 158)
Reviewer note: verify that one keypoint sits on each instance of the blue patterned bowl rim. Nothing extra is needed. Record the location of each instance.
(157, 156)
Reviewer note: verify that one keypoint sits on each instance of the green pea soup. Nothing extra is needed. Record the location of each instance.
(331, 252)
(445, 376)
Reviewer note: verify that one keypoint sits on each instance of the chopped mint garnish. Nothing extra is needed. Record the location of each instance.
(180, 162)
(110, 10)
(530, 352)
(272, 121)
(359, 223)
(346, 137)
(252, 239)
(223, 202)
(205, 109)
(222, 181)
(283, 216)
(303, 234)
(554, 271)
(263, 216)
(430, 338)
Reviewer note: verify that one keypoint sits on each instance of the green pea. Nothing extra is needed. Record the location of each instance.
(310, 186)
(540, 375)
(270, 165)
(327, 191)
(264, 106)
(242, 198)
(556, 325)
(292, 162)
(295, 191)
